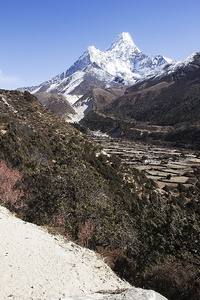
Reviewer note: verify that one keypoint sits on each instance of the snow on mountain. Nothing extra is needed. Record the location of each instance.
(122, 63)
(182, 68)
(173, 66)
(71, 98)
(170, 67)
(82, 108)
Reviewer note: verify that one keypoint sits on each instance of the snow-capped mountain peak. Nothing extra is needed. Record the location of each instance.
(125, 36)
(123, 42)
(93, 53)
(122, 63)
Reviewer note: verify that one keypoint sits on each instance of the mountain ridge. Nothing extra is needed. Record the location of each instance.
(170, 101)
(145, 98)
(122, 63)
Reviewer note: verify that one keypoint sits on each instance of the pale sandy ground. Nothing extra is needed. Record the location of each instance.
(37, 265)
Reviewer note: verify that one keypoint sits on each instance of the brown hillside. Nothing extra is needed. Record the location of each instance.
(168, 100)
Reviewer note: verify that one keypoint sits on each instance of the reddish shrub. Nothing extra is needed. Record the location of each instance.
(86, 232)
(58, 220)
(12, 192)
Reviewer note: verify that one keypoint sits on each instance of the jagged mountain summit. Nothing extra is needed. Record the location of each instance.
(120, 64)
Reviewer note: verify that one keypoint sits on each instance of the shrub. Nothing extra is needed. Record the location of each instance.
(58, 220)
(86, 232)
(12, 192)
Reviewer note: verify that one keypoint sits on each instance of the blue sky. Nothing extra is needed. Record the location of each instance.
(41, 38)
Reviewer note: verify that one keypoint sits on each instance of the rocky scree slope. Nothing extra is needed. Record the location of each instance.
(144, 235)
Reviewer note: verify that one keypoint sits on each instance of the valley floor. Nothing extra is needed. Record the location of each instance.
(166, 166)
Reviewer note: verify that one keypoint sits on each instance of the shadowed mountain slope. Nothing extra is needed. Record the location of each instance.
(166, 100)
(164, 108)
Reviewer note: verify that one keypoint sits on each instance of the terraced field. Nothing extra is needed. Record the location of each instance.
(165, 166)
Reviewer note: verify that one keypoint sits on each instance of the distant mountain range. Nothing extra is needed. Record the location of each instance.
(125, 84)
(165, 107)
(168, 99)
(120, 64)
